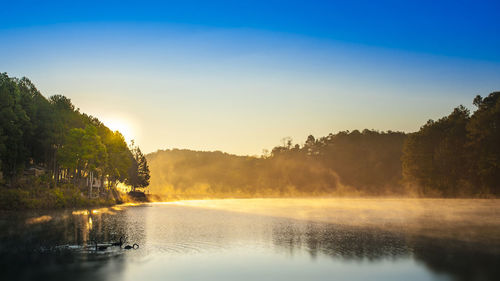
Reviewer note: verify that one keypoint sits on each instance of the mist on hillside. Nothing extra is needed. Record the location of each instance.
(455, 156)
(345, 164)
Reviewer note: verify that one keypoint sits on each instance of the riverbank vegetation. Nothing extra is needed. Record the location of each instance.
(455, 156)
(53, 155)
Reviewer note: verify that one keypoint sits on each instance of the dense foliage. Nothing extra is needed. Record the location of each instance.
(458, 155)
(455, 156)
(68, 146)
(138, 174)
(347, 163)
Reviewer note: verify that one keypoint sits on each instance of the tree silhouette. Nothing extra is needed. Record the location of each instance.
(139, 171)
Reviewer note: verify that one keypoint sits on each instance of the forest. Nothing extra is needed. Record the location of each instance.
(52, 155)
(455, 156)
(347, 163)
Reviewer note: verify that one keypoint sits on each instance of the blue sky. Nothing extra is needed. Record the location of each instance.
(452, 28)
(238, 76)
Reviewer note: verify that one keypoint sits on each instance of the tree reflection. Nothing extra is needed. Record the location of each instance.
(461, 260)
(340, 241)
(57, 249)
(54, 249)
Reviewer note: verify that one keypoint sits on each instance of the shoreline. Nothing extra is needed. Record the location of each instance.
(70, 197)
(42, 198)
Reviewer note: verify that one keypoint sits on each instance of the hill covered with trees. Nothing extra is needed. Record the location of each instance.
(455, 156)
(347, 163)
(51, 154)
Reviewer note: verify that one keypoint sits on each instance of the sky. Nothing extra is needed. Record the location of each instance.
(238, 76)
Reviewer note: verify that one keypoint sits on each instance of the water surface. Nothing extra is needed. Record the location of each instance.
(259, 239)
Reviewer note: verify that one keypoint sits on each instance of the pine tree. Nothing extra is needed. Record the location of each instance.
(139, 170)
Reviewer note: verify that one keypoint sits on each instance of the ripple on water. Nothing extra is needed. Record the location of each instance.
(276, 241)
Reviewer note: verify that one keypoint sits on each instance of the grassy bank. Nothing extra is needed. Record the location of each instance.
(38, 197)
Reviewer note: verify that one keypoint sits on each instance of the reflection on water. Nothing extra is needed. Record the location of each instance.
(459, 219)
(285, 239)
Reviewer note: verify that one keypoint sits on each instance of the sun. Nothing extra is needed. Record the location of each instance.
(121, 125)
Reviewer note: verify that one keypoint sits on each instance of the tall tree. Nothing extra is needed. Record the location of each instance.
(119, 157)
(484, 134)
(82, 152)
(139, 170)
(435, 157)
(14, 122)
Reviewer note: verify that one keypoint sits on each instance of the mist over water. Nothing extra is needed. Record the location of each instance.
(259, 239)
(462, 219)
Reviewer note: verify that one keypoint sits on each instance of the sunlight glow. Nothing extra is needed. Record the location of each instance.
(80, 213)
(121, 125)
(38, 219)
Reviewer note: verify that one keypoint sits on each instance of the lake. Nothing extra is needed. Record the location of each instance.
(258, 239)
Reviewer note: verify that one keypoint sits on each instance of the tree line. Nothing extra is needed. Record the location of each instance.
(457, 155)
(346, 163)
(71, 146)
